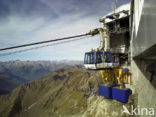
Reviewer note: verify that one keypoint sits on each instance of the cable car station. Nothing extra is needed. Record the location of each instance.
(112, 57)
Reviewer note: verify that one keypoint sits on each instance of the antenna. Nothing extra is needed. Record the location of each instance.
(114, 5)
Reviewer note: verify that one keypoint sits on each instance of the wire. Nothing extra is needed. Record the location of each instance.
(42, 42)
(24, 50)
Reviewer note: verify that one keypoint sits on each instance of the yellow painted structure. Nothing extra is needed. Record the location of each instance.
(116, 75)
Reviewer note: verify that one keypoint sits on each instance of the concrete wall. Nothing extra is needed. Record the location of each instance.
(143, 86)
(143, 43)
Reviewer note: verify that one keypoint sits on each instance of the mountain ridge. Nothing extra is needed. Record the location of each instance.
(32, 70)
(15, 73)
(42, 93)
(67, 92)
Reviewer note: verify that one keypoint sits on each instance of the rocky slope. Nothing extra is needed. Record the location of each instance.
(67, 92)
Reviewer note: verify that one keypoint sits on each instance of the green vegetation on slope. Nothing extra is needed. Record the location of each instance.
(9, 82)
(67, 92)
(58, 92)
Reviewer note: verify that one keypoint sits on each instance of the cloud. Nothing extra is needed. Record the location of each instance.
(25, 21)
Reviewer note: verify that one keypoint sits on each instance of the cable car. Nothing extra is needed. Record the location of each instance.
(96, 60)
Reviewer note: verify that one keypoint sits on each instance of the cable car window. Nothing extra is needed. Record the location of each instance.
(98, 57)
(107, 57)
(89, 58)
(85, 59)
(103, 57)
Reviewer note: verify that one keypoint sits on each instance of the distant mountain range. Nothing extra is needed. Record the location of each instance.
(14, 73)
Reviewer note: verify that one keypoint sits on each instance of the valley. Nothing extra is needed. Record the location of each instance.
(15, 73)
(67, 92)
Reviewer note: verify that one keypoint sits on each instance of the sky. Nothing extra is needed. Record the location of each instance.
(28, 21)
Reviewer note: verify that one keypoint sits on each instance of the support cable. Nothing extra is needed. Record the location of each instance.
(33, 48)
(42, 42)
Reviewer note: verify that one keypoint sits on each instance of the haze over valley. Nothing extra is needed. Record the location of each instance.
(14, 73)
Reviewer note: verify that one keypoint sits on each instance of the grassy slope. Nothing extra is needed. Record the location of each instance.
(60, 94)
(56, 94)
